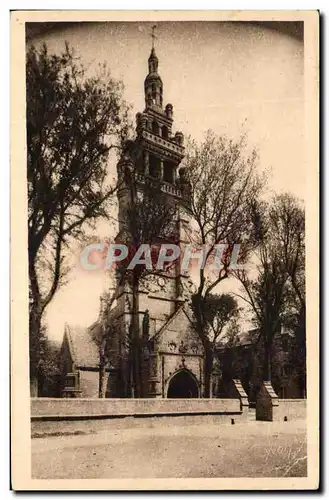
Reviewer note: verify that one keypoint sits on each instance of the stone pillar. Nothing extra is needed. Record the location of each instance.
(154, 382)
(244, 402)
(174, 175)
(145, 370)
(161, 170)
(146, 163)
(267, 403)
(216, 374)
(169, 111)
(236, 390)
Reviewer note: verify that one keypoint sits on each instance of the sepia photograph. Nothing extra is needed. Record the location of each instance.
(165, 219)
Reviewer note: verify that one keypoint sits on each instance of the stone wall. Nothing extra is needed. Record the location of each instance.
(293, 409)
(89, 383)
(269, 407)
(49, 408)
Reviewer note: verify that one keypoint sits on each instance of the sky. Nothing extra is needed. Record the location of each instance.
(225, 76)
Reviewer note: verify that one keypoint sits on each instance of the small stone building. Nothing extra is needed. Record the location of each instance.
(79, 363)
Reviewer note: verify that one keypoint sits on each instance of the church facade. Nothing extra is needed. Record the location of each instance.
(171, 357)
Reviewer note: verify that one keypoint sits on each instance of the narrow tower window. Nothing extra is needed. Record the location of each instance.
(154, 168)
(168, 172)
(165, 133)
(155, 127)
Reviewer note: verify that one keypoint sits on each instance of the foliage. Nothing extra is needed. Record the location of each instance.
(48, 366)
(73, 122)
(218, 312)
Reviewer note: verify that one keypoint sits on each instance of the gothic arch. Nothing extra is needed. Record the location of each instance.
(155, 127)
(165, 132)
(183, 384)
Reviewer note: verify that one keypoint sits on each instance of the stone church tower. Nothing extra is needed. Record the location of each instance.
(155, 153)
(170, 363)
(171, 353)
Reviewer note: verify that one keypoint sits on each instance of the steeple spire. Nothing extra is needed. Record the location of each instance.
(153, 60)
(153, 36)
(153, 83)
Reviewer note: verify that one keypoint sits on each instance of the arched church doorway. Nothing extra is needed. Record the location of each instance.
(183, 385)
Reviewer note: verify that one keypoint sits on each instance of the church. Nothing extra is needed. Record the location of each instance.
(171, 361)
(170, 353)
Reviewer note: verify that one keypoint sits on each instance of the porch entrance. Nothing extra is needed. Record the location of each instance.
(183, 385)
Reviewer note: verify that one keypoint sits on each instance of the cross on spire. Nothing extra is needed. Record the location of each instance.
(153, 35)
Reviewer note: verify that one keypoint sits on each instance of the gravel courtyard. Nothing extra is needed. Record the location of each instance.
(251, 449)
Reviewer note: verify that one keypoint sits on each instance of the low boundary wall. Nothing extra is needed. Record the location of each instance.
(293, 409)
(83, 409)
(270, 408)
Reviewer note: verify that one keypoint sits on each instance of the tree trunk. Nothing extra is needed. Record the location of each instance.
(131, 388)
(34, 349)
(136, 365)
(34, 393)
(102, 369)
(267, 363)
(208, 362)
(102, 381)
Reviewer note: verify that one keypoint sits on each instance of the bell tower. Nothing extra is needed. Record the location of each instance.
(156, 153)
(159, 152)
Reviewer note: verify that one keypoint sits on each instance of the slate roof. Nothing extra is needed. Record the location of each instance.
(244, 339)
(83, 348)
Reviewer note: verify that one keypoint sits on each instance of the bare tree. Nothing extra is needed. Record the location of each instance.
(222, 206)
(218, 311)
(73, 122)
(279, 277)
(291, 231)
(266, 297)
